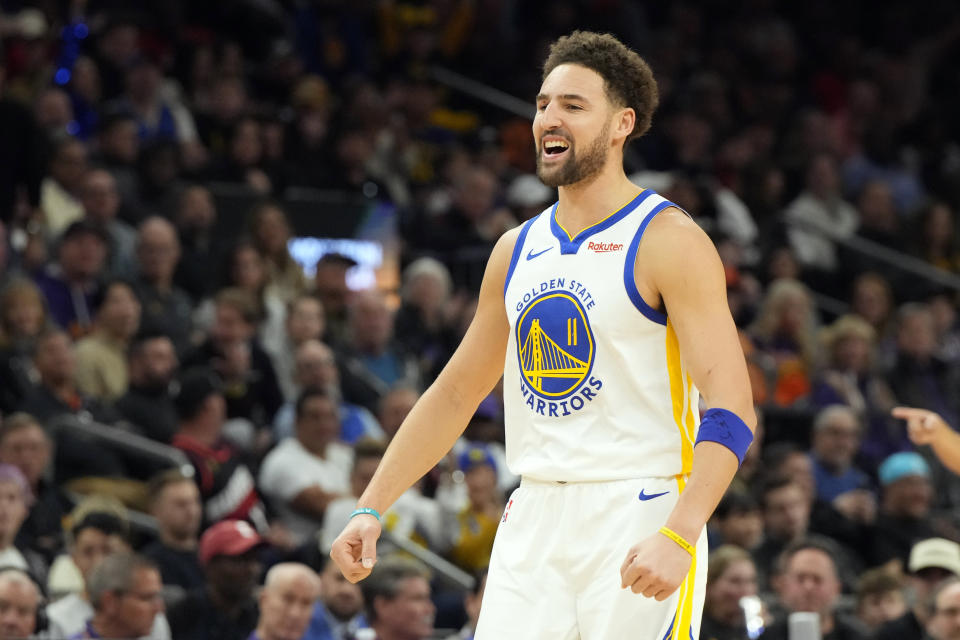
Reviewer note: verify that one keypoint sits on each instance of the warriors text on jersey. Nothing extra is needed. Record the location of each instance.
(594, 386)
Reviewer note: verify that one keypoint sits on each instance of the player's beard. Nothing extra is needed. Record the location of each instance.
(575, 169)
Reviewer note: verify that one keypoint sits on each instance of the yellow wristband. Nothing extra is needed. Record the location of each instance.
(676, 537)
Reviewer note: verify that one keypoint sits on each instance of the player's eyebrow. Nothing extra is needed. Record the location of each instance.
(570, 97)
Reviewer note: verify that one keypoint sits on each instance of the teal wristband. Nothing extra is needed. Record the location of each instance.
(366, 510)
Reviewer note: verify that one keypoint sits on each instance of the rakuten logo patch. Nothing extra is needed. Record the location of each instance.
(604, 247)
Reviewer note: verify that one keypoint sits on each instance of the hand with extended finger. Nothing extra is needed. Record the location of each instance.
(656, 566)
(355, 549)
(923, 427)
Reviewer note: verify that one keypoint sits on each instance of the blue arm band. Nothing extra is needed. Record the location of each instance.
(726, 428)
(365, 511)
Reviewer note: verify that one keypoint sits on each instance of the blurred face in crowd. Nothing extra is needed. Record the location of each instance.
(871, 299)
(154, 365)
(724, 593)
(245, 146)
(476, 193)
(100, 197)
(786, 513)
(331, 285)
(120, 141)
(13, 511)
(851, 352)
(582, 124)
(132, 612)
(835, 443)
(286, 604)
(69, 165)
(315, 366)
(394, 408)
(362, 473)
(742, 528)
(234, 577)
(82, 256)
(197, 210)
(428, 292)
(318, 424)
(410, 613)
(924, 581)
(305, 320)
(798, 467)
(53, 110)
(909, 497)
(341, 597)
(85, 79)
(93, 545)
(158, 251)
(19, 601)
(272, 230)
(939, 225)
(810, 583)
(822, 178)
(371, 322)
(945, 623)
(119, 314)
(23, 314)
(877, 207)
(178, 510)
(792, 311)
(877, 608)
(229, 326)
(54, 359)
(481, 481)
(28, 449)
(248, 269)
(916, 335)
(143, 81)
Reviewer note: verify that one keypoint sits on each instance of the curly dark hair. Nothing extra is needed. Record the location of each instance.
(627, 78)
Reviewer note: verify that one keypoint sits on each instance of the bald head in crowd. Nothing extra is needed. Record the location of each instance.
(158, 250)
(289, 594)
(19, 601)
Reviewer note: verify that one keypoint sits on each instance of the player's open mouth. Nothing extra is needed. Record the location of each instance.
(554, 147)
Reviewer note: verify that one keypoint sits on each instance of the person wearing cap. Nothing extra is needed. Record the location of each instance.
(70, 283)
(15, 501)
(929, 428)
(102, 356)
(127, 597)
(476, 524)
(287, 600)
(906, 498)
(225, 609)
(931, 562)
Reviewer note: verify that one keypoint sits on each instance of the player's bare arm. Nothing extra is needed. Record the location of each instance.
(928, 427)
(678, 268)
(438, 418)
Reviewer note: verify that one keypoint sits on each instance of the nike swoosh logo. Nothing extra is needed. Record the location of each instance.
(531, 255)
(650, 496)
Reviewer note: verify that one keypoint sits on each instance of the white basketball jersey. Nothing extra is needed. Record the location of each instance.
(594, 386)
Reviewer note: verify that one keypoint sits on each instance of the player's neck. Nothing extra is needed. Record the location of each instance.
(585, 203)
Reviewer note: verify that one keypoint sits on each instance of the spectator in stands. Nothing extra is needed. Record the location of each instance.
(23, 315)
(166, 307)
(60, 191)
(738, 521)
(287, 601)
(304, 322)
(175, 503)
(394, 407)
(304, 474)
(127, 596)
(906, 498)
(918, 378)
(397, 597)
(243, 162)
(786, 518)
(373, 361)
(201, 247)
(316, 367)
(477, 523)
(225, 608)
(246, 270)
(70, 284)
(330, 283)
(97, 536)
(118, 147)
(250, 385)
(872, 299)
(147, 404)
(102, 356)
(270, 229)
(810, 582)
(881, 597)
(944, 622)
(785, 330)
(15, 502)
(226, 484)
(931, 562)
(101, 202)
(836, 439)
(25, 445)
(339, 613)
(21, 165)
(730, 577)
(424, 319)
(20, 602)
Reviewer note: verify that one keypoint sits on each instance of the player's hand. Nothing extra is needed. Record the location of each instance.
(655, 567)
(355, 549)
(923, 427)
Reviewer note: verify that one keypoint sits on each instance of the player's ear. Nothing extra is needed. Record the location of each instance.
(624, 121)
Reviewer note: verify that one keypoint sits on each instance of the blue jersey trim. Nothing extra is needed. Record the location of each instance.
(517, 248)
(571, 245)
(629, 281)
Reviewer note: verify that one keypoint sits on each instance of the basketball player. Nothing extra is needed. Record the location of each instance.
(605, 314)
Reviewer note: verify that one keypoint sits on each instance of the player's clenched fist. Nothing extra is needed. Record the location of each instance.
(655, 567)
(355, 549)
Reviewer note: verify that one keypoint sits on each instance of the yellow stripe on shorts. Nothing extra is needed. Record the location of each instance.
(684, 615)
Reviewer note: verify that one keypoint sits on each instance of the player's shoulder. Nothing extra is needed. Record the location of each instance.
(673, 238)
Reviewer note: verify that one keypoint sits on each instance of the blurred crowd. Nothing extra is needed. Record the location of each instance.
(152, 158)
